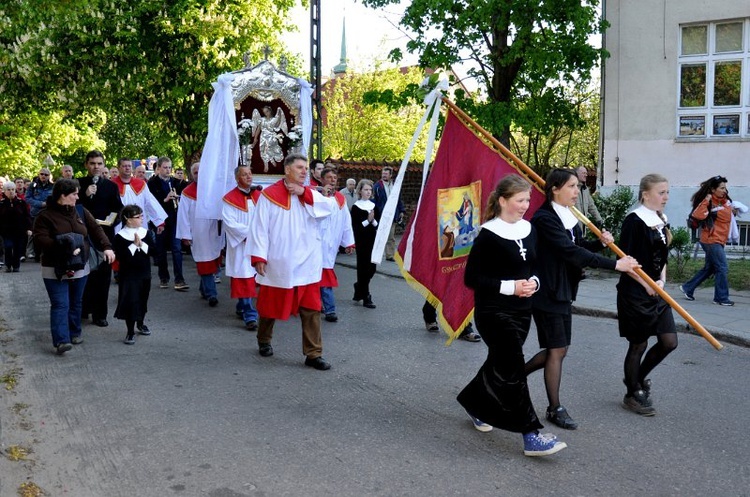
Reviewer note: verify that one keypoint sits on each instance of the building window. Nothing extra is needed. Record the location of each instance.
(714, 80)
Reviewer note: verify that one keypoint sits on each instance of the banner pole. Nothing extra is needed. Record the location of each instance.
(540, 184)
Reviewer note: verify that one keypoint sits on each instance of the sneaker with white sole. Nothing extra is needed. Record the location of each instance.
(181, 286)
(688, 296)
(480, 425)
(537, 444)
(726, 303)
(432, 327)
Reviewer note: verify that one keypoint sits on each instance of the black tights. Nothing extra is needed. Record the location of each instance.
(130, 323)
(636, 370)
(551, 360)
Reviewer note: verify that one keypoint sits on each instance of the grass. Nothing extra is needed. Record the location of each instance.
(10, 378)
(739, 273)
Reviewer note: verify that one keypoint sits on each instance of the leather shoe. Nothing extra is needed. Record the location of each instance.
(213, 301)
(102, 323)
(332, 317)
(265, 349)
(318, 363)
(251, 326)
(368, 302)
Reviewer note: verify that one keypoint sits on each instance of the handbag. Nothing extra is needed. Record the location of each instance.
(70, 254)
(96, 256)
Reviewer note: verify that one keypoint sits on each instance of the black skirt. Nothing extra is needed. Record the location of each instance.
(132, 299)
(640, 316)
(499, 395)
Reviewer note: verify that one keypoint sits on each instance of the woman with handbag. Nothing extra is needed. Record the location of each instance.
(61, 236)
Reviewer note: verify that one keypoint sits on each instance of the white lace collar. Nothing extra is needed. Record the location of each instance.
(129, 233)
(651, 218)
(566, 216)
(365, 205)
(510, 231)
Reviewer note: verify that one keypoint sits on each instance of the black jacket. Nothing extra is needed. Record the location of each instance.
(560, 260)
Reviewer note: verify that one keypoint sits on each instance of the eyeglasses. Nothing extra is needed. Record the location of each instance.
(43, 174)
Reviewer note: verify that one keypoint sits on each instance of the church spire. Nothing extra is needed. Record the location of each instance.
(340, 68)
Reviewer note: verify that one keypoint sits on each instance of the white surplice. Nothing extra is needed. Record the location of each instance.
(285, 234)
(336, 231)
(143, 198)
(204, 233)
(236, 226)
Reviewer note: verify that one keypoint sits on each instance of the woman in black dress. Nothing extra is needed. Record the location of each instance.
(641, 312)
(563, 253)
(500, 271)
(365, 227)
(131, 245)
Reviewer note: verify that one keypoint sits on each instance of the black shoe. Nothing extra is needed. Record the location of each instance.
(63, 348)
(470, 336)
(213, 301)
(559, 416)
(265, 349)
(368, 302)
(143, 330)
(251, 326)
(332, 317)
(102, 323)
(432, 327)
(638, 403)
(129, 340)
(391, 259)
(318, 363)
(357, 296)
(8, 269)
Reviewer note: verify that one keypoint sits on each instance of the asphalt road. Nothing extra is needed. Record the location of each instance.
(193, 410)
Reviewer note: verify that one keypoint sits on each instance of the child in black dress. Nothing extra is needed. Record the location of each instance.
(131, 247)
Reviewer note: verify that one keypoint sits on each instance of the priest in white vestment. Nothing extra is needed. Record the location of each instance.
(204, 238)
(237, 212)
(287, 253)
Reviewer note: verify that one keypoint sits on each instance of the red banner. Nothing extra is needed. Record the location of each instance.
(434, 249)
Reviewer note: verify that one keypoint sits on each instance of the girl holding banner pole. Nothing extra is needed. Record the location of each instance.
(500, 271)
(642, 313)
(562, 254)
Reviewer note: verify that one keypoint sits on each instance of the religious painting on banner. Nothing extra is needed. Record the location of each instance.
(435, 246)
(458, 214)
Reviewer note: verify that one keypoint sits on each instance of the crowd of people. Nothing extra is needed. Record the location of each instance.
(111, 220)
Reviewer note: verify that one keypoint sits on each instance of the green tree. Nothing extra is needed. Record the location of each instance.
(153, 58)
(27, 138)
(563, 145)
(524, 53)
(357, 131)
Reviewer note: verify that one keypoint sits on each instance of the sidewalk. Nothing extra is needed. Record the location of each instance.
(597, 297)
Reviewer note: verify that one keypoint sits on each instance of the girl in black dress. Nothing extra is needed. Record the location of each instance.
(563, 253)
(500, 271)
(365, 228)
(131, 247)
(641, 312)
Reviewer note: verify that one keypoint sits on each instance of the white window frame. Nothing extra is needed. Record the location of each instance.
(709, 111)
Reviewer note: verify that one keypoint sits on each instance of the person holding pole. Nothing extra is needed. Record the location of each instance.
(641, 312)
(563, 253)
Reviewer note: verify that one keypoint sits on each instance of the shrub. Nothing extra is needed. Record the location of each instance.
(614, 207)
(680, 251)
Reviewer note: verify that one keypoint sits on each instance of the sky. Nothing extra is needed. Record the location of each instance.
(370, 34)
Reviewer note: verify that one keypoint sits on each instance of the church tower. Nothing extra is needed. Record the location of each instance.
(340, 68)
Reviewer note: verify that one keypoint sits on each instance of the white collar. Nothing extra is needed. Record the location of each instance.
(566, 216)
(129, 233)
(510, 231)
(651, 218)
(365, 205)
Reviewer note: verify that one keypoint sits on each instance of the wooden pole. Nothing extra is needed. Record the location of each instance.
(526, 170)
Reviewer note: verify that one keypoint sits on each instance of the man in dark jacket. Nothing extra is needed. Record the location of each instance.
(101, 198)
(166, 190)
(15, 225)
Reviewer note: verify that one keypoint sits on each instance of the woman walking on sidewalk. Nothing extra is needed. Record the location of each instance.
(712, 206)
(563, 253)
(500, 271)
(641, 312)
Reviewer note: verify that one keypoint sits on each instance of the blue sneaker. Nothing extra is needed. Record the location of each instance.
(480, 425)
(537, 444)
